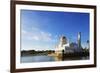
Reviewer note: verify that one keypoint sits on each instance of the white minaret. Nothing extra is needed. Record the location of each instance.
(79, 39)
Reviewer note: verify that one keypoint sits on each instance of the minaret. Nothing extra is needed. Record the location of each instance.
(79, 39)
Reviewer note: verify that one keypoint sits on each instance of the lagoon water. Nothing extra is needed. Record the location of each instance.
(41, 58)
(44, 58)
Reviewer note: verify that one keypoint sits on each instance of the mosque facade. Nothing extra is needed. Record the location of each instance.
(67, 47)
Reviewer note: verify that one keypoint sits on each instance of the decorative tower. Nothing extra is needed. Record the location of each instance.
(79, 39)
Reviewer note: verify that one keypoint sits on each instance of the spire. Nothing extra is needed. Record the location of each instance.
(79, 39)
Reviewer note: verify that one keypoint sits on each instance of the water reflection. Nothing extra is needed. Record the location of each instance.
(44, 58)
(58, 58)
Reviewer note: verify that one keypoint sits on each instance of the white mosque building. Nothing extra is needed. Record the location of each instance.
(67, 47)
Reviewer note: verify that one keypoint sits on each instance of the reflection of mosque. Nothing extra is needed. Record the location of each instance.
(67, 47)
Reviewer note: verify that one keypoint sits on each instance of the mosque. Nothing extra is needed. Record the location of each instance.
(67, 47)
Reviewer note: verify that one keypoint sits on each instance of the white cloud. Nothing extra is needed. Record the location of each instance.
(31, 37)
(46, 36)
(35, 38)
(37, 35)
(24, 32)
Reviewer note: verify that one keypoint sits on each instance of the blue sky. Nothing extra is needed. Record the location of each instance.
(41, 30)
